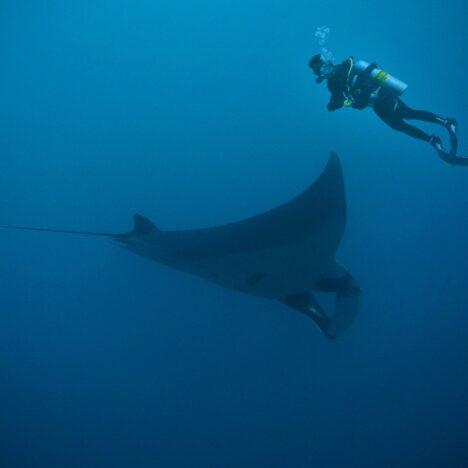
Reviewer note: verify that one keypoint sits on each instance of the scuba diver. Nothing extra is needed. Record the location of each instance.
(358, 84)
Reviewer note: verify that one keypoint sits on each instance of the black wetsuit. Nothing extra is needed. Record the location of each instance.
(391, 109)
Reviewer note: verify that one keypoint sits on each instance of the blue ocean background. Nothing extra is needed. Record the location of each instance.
(196, 114)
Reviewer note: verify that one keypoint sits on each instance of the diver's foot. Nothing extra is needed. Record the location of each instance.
(451, 125)
(436, 142)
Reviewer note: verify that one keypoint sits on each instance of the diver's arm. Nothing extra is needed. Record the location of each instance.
(336, 102)
(337, 85)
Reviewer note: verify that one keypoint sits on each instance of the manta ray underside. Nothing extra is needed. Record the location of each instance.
(283, 254)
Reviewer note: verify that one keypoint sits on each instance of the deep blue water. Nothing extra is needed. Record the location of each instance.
(196, 114)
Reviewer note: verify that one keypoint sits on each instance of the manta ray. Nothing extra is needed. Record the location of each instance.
(284, 254)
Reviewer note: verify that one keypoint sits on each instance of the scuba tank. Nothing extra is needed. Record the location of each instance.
(380, 78)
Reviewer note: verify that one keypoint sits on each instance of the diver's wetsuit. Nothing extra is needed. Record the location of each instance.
(393, 111)
(360, 85)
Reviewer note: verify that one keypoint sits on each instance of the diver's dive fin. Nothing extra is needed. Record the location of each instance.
(452, 157)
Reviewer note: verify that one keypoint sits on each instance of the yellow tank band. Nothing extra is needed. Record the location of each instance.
(382, 76)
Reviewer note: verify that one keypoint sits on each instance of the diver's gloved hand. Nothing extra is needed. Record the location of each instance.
(334, 105)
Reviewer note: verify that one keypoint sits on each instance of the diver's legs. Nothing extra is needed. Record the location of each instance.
(401, 126)
(408, 113)
(392, 113)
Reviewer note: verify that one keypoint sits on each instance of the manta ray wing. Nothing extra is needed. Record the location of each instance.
(281, 254)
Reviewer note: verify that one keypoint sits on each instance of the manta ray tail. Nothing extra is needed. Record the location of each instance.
(61, 231)
(141, 226)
